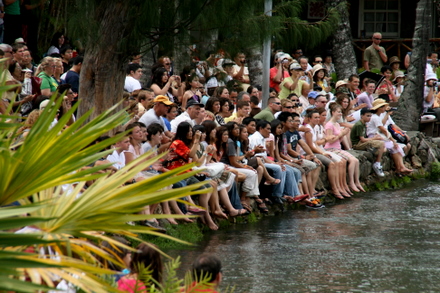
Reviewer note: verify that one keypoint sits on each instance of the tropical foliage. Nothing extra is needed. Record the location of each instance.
(64, 223)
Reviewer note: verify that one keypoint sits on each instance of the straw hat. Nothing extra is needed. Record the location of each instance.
(340, 83)
(394, 59)
(318, 67)
(398, 74)
(379, 103)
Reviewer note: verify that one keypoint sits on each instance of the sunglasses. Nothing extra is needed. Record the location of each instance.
(276, 103)
(288, 107)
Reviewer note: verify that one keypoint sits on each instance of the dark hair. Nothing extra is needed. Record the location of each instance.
(365, 110)
(351, 77)
(219, 144)
(248, 120)
(12, 67)
(206, 264)
(149, 257)
(189, 79)
(250, 89)
(311, 111)
(283, 116)
(133, 125)
(223, 101)
(55, 37)
(62, 88)
(230, 126)
(244, 144)
(255, 100)
(210, 104)
(64, 48)
(200, 128)
(133, 67)
(339, 99)
(77, 60)
(209, 127)
(15, 47)
(262, 124)
(218, 91)
(154, 129)
(385, 68)
(114, 250)
(273, 125)
(182, 132)
(157, 77)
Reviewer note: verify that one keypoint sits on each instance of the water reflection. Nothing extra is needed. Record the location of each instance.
(377, 242)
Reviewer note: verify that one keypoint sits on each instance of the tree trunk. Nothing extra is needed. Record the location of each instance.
(103, 70)
(344, 57)
(411, 100)
(255, 63)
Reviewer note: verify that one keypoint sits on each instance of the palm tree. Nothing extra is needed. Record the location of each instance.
(64, 226)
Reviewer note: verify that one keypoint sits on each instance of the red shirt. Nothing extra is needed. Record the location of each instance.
(178, 155)
(273, 73)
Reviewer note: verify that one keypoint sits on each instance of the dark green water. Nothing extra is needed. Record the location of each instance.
(376, 242)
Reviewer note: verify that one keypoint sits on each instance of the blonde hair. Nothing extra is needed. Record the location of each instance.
(44, 63)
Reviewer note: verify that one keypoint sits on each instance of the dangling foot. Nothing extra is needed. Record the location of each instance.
(220, 215)
(172, 221)
(355, 188)
(272, 181)
(360, 187)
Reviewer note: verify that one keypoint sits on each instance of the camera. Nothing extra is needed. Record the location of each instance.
(285, 61)
(297, 105)
(392, 109)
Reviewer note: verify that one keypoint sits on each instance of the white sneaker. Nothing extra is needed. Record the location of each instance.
(378, 170)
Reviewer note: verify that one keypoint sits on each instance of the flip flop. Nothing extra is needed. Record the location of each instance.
(273, 182)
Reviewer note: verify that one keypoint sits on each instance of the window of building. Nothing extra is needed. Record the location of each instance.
(379, 16)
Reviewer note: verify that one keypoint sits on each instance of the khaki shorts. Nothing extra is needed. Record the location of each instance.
(369, 144)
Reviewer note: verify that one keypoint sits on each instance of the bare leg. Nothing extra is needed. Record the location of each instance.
(351, 172)
(314, 178)
(305, 185)
(203, 201)
(215, 203)
(266, 174)
(166, 211)
(177, 211)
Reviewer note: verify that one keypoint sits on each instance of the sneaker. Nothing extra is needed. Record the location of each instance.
(378, 170)
(154, 225)
(315, 206)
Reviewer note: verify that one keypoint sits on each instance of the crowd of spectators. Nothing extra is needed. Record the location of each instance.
(212, 115)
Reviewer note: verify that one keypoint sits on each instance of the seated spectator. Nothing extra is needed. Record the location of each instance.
(145, 97)
(223, 111)
(328, 159)
(191, 113)
(273, 106)
(319, 73)
(45, 71)
(132, 83)
(255, 108)
(309, 162)
(257, 143)
(121, 253)
(334, 135)
(366, 98)
(294, 83)
(192, 92)
(182, 149)
(66, 55)
(280, 70)
(162, 84)
(385, 89)
(360, 141)
(243, 110)
(376, 126)
(429, 92)
(241, 71)
(399, 84)
(55, 44)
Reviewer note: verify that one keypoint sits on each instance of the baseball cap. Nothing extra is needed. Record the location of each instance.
(163, 99)
(192, 102)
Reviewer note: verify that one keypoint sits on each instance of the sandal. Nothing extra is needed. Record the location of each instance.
(261, 205)
(274, 181)
(267, 201)
(246, 207)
